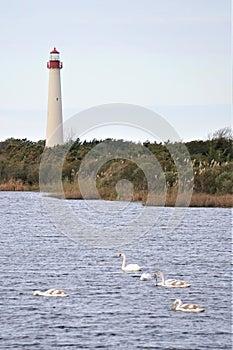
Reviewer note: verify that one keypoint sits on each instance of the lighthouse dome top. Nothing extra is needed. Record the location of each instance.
(54, 60)
(54, 50)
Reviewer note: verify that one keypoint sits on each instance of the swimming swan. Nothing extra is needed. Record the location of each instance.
(170, 283)
(51, 293)
(178, 306)
(145, 277)
(130, 267)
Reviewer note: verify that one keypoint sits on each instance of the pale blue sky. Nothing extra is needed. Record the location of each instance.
(170, 55)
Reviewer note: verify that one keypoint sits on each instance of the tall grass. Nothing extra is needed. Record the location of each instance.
(72, 191)
(17, 185)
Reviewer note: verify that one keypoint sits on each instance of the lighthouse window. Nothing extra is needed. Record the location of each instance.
(54, 57)
(57, 98)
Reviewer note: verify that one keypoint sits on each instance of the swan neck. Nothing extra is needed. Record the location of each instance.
(163, 279)
(124, 261)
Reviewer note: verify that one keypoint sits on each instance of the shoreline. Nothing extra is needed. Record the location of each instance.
(199, 200)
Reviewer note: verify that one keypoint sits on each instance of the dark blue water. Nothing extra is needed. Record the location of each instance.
(106, 308)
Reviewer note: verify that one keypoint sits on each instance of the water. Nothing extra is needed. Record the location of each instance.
(106, 308)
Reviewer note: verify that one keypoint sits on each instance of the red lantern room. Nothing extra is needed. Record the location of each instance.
(54, 62)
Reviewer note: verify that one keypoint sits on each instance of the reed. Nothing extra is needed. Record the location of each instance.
(72, 191)
(197, 200)
(212, 200)
(17, 185)
(169, 200)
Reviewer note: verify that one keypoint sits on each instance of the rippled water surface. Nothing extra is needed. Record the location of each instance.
(107, 308)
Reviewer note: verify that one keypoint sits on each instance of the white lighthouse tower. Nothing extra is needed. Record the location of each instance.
(54, 131)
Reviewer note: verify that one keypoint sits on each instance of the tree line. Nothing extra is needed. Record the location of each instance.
(211, 162)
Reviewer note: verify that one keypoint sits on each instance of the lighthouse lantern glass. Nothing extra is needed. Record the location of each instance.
(54, 57)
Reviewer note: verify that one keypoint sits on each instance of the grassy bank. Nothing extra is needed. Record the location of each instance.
(18, 185)
(72, 192)
(197, 199)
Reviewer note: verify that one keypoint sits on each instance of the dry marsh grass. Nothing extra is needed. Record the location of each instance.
(17, 185)
(71, 191)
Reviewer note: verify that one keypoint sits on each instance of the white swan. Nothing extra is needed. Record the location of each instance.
(51, 293)
(129, 267)
(145, 277)
(170, 283)
(178, 306)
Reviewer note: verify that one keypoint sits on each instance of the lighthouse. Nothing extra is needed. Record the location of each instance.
(54, 131)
